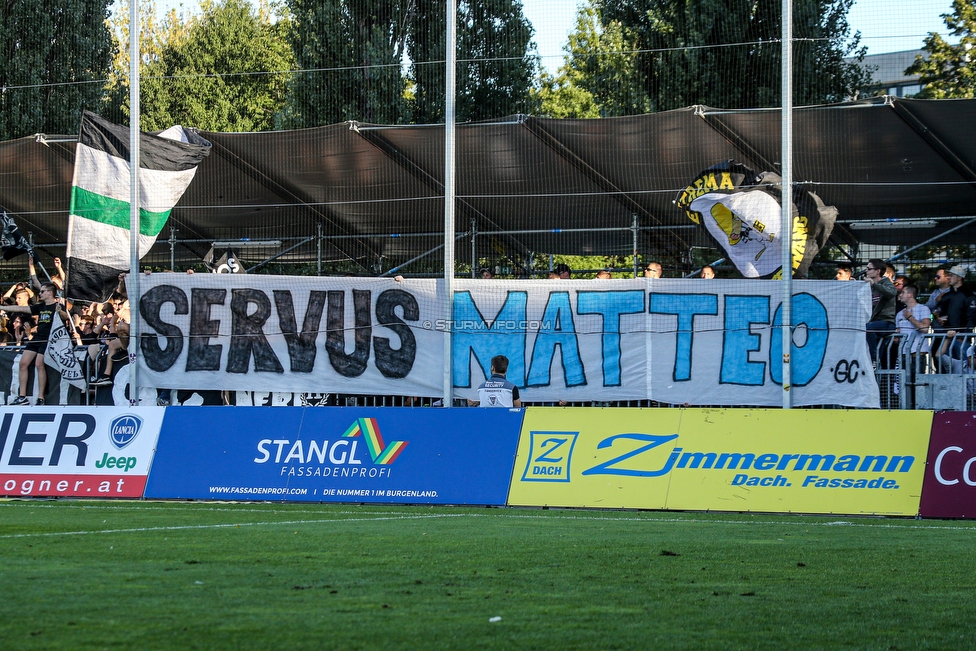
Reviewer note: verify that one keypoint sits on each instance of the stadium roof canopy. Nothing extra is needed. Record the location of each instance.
(899, 171)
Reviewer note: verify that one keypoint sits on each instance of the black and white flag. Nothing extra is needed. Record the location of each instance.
(60, 354)
(742, 212)
(98, 223)
(228, 263)
(11, 240)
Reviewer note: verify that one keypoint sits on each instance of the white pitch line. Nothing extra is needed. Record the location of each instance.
(797, 521)
(233, 525)
(119, 507)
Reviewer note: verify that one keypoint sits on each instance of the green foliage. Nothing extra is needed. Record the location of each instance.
(675, 264)
(54, 57)
(349, 55)
(221, 70)
(496, 62)
(637, 56)
(426, 44)
(597, 79)
(559, 97)
(949, 71)
(496, 66)
(826, 57)
(583, 266)
(151, 37)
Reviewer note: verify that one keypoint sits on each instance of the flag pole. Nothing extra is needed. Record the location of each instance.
(449, 191)
(132, 282)
(786, 203)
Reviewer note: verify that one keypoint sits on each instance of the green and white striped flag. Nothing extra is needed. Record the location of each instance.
(98, 225)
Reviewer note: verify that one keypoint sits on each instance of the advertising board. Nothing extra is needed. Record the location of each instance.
(808, 461)
(336, 454)
(949, 490)
(77, 451)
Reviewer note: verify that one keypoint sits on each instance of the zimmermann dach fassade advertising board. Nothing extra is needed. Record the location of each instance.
(77, 451)
(806, 461)
(336, 454)
(949, 490)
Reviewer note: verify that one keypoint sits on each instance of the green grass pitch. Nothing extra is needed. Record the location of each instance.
(179, 575)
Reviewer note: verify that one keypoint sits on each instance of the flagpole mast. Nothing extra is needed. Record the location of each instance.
(449, 166)
(132, 282)
(786, 169)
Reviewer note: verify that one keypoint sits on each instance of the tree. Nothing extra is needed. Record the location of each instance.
(153, 37)
(226, 72)
(827, 58)
(949, 71)
(597, 77)
(668, 54)
(54, 58)
(222, 70)
(560, 97)
(349, 54)
(496, 61)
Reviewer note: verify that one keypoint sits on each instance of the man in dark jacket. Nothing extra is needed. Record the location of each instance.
(883, 296)
(953, 305)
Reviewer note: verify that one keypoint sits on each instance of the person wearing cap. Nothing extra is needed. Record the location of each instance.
(952, 308)
(653, 270)
(883, 296)
(955, 299)
(487, 274)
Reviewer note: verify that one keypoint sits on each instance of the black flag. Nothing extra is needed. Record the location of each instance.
(742, 212)
(11, 241)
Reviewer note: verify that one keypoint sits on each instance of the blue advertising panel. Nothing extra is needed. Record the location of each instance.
(336, 454)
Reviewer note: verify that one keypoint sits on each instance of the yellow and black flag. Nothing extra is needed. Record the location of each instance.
(741, 211)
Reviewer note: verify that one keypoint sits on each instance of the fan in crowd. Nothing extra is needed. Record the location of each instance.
(897, 317)
(25, 321)
(883, 295)
(34, 351)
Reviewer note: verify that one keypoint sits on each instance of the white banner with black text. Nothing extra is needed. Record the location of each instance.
(700, 342)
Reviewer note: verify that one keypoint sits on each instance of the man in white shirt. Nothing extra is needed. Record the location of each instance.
(912, 322)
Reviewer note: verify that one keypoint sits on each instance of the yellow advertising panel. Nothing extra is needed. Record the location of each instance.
(771, 460)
